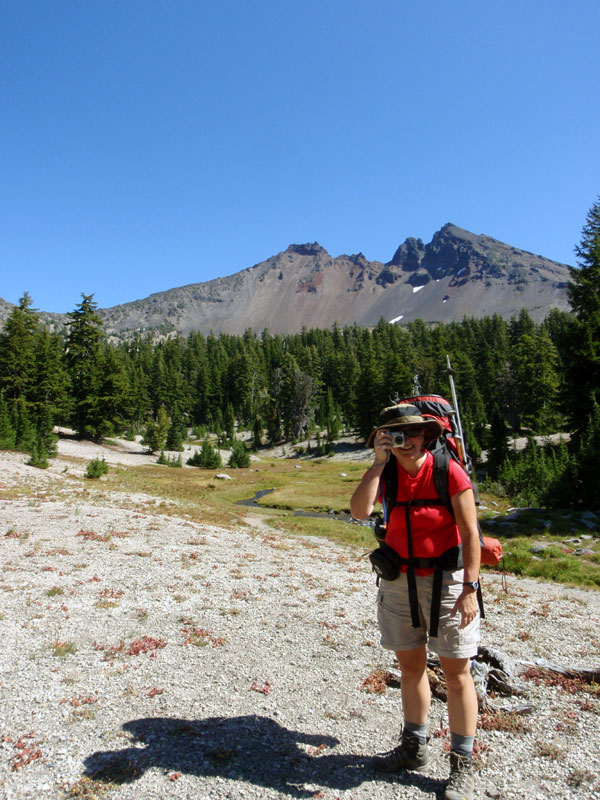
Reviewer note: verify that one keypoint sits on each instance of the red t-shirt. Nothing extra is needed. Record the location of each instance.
(433, 528)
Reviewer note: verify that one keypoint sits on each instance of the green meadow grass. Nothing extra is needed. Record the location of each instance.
(325, 486)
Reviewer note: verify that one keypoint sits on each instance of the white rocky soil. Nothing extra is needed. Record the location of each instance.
(148, 656)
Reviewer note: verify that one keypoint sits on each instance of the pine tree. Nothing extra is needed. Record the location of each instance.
(44, 445)
(51, 390)
(257, 432)
(586, 463)
(498, 444)
(370, 389)
(25, 432)
(44, 432)
(83, 362)
(207, 457)
(239, 457)
(155, 435)
(583, 359)
(300, 409)
(113, 406)
(38, 457)
(584, 289)
(7, 432)
(228, 423)
(17, 348)
(536, 380)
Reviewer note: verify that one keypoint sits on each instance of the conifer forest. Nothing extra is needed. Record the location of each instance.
(513, 377)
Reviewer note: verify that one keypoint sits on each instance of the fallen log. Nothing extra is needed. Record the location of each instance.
(496, 673)
(547, 668)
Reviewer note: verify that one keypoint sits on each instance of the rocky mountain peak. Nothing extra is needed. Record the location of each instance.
(457, 274)
(310, 249)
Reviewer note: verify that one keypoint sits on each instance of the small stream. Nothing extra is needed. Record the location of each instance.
(253, 501)
(341, 516)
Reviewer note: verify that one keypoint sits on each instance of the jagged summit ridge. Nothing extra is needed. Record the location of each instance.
(457, 274)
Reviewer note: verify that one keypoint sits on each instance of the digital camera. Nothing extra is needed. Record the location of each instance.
(398, 438)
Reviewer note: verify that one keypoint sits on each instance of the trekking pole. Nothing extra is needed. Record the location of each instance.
(460, 442)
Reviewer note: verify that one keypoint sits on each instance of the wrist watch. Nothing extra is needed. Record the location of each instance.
(473, 584)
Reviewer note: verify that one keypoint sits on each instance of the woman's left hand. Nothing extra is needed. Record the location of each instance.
(467, 605)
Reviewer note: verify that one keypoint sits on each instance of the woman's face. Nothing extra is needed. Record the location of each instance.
(412, 449)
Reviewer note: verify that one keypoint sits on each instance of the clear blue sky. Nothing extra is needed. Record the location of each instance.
(148, 144)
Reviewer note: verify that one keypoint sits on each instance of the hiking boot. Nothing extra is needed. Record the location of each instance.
(410, 754)
(461, 784)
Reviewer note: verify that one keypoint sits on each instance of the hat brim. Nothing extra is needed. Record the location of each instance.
(431, 427)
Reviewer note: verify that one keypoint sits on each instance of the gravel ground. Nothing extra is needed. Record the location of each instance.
(147, 656)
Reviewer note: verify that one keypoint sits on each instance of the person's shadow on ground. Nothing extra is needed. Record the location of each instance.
(253, 749)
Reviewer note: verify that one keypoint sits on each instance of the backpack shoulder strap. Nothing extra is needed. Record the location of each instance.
(441, 460)
(441, 476)
(389, 486)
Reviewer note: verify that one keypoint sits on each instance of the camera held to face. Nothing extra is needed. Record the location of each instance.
(398, 438)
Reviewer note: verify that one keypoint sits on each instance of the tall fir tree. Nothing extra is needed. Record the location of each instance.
(7, 431)
(17, 350)
(155, 435)
(583, 363)
(25, 431)
(536, 381)
(83, 353)
(114, 405)
(370, 389)
(51, 390)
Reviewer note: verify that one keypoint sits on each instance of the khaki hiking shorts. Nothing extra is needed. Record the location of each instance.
(395, 626)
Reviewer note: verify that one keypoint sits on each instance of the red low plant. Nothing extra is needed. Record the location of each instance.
(264, 689)
(377, 681)
(145, 644)
(27, 747)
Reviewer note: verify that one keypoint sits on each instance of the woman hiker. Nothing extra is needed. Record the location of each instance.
(432, 530)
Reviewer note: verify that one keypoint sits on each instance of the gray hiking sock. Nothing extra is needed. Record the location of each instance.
(418, 730)
(462, 744)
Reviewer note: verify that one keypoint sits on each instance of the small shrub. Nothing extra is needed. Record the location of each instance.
(199, 637)
(96, 468)
(503, 721)
(580, 776)
(38, 457)
(239, 455)
(62, 649)
(206, 457)
(169, 461)
(551, 750)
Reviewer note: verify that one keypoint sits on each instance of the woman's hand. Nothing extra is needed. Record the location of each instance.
(382, 446)
(363, 500)
(467, 605)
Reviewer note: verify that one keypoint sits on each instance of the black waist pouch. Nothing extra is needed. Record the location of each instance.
(385, 562)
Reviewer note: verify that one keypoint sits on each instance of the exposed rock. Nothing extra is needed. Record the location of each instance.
(538, 548)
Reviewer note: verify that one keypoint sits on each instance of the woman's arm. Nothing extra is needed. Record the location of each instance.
(465, 514)
(364, 498)
(365, 495)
